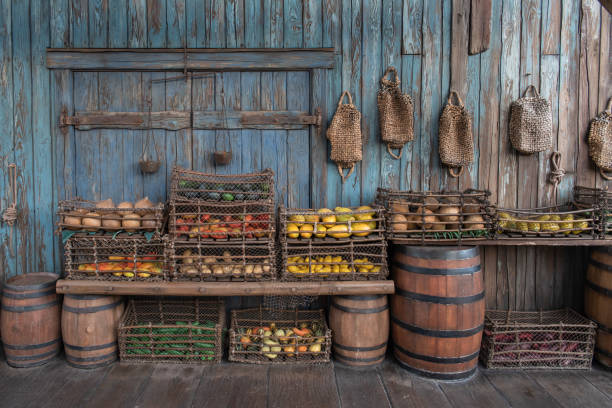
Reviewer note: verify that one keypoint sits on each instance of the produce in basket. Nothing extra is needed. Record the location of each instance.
(328, 264)
(222, 227)
(191, 264)
(126, 266)
(340, 223)
(551, 223)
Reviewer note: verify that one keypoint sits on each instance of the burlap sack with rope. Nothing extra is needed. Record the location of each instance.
(344, 134)
(395, 111)
(600, 141)
(531, 123)
(456, 144)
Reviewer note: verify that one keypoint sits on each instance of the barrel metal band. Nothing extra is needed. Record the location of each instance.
(438, 376)
(597, 264)
(23, 309)
(360, 311)
(439, 253)
(439, 299)
(87, 359)
(12, 295)
(29, 346)
(91, 366)
(437, 333)
(93, 309)
(360, 360)
(351, 348)
(603, 352)
(438, 360)
(90, 348)
(361, 297)
(599, 289)
(32, 357)
(84, 297)
(20, 288)
(470, 270)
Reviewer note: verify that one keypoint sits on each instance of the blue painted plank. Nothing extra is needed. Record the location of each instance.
(454, 12)
(215, 24)
(411, 165)
(137, 24)
(98, 23)
(7, 245)
(117, 24)
(371, 72)
(253, 25)
(473, 103)
(156, 23)
(273, 23)
(176, 23)
(79, 23)
(412, 18)
(298, 146)
(59, 23)
(292, 17)
(194, 23)
(87, 160)
(234, 23)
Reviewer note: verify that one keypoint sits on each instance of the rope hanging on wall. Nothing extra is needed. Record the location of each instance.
(556, 172)
(10, 214)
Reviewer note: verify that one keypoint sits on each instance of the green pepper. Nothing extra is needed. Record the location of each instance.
(228, 197)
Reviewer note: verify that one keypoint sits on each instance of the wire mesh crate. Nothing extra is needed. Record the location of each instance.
(353, 260)
(83, 215)
(231, 261)
(557, 339)
(189, 185)
(172, 331)
(201, 221)
(559, 222)
(266, 336)
(599, 198)
(324, 225)
(119, 258)
(437, 216)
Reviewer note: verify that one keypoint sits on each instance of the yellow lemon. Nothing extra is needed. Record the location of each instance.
(320, 233)
(306, 230)
(293, 231)
(298, 219)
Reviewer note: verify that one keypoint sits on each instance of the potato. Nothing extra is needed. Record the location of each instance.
(92, 220)
(399, 223)
(449, 214)
(471, 206)
(431, 204)
(474, 222)
(428, 218)
(400, 207)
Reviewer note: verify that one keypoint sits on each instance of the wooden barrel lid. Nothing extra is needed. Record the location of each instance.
(31, 281)
(439, 252)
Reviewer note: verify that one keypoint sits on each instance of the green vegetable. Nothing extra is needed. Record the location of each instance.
(228, 197)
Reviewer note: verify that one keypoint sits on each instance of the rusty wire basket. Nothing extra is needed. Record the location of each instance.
(172, 330)
(452, 217)
(326, 226)
(122, 258)
(189, 185)
(254, 336)
(83, 215)
(230, 261)
(599, 198)
(559, 222)
(201, 221)
(342, 261)
(557, 339)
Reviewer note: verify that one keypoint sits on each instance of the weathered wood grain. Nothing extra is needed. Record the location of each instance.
(316, 386)
(480, 25)
(551, 27)
(412, 18)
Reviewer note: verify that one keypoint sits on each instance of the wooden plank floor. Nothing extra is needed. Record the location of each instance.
(237, 385)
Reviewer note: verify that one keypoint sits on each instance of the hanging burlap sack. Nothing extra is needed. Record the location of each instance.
(600, 141)
(531, 123)
(395, 112)
(455, 136)
(344, 134)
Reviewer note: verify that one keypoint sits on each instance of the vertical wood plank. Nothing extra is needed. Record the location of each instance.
(411, 166)
(551, 27)
(137, 23)
(318, 144)
(412, 18)
(234, 17)
(176, 22)
(98, 23)
(480, 26)
(156, 23)
(117, 24)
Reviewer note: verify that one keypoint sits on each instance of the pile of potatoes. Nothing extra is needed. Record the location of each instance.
(226, 265)
(106, 216)
(434, 215)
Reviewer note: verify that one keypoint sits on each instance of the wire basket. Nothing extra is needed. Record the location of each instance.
(122, 258)
(557, 339)
(265, 336)
(341, 261)
(231, 261)
(171, 330)
(189, 185)
(452, 217)
(559, 222)
(600, 198)
(201, 221)
(329, 226)
(83, 215)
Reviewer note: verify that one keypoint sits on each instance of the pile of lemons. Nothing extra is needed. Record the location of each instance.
(566, 223)
(329, 264)
(341, 223)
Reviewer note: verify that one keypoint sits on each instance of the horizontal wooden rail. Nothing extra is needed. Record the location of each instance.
(192, 59)
(514, 242)
(225, 288)
(172, 120)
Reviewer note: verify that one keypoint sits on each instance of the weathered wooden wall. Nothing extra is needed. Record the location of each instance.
(562, 47)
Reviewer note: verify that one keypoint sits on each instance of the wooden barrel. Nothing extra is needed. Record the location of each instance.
(89, 329)
(437, 311)
(598, 301)
(30, 320)
(360, 327)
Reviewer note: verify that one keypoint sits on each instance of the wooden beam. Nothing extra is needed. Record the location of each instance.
(225, 288)
(169, 120)
(254, 120)
(480, 26)
(557, 242)
(210, 59)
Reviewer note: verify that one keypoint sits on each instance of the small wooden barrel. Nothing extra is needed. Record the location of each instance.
(360, 329)
(30, 321)
(89, 329)
(437, 312)
(598, 301)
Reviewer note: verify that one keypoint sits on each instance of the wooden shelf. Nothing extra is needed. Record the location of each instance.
(513, 242)
(225, 288)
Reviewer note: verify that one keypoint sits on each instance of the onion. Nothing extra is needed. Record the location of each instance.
(112, 222)
(438, 227)
(126, 205)
(400, 207)
(92, 220)
(73, 218)
(471, 206)
(131, 222)
(148, 224)
(143, 203)
(108, 203)
(449, 214)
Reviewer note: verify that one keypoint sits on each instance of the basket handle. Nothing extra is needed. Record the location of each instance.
(450, 98)
(398, 156)
(451, 171)
(341, 171)
(350, 98)
(609, 106)
(533, 88)
(603, 174)
(385, 81)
